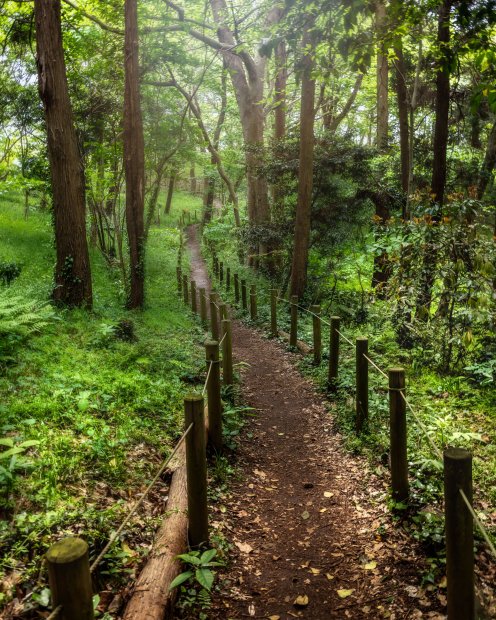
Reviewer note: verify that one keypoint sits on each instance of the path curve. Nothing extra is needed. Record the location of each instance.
(307, 521)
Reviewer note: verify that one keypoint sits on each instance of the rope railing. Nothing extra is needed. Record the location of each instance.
(138, 503)
(478, 523)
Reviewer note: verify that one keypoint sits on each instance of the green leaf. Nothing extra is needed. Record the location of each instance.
(12, 451)
(205, 578)
(7, 442)
(208, 555)
(189, 558)
(29, 443)
(180, 579)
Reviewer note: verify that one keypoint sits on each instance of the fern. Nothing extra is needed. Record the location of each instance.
(20, 318)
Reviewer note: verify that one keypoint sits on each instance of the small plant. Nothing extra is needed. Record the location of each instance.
(9, 271)
(11, 462)
(19, 319)
(197, 581)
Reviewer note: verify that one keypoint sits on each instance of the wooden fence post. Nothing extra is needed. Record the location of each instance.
(332, 374)
(194, 305)
(273, 313)
(227, 359)
(203, 306)
(293, 334)
(213, 394)
(362, 383)
(317, 335)
(179, 280)
(222, 310)
(459, 534)
(244, 300)
(236, 289)
(214, 323)
(398, 432)
(70, 580)
(196, 469)
(185, 289)
(216, 266)
(228, 279)
(253, 302)
(221, 272)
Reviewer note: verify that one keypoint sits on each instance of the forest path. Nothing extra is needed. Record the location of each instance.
(307, 521)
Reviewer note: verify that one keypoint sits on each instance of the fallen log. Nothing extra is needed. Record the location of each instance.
(151, 599)
(300, 345)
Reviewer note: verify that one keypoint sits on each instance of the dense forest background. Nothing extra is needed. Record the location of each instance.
(343, 152)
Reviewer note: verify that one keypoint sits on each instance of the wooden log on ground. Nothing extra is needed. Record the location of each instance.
(300, 345)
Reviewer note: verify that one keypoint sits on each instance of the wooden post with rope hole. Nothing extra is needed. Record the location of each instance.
(185, 289)
(194, 306)
(228, 279)
(317, 335)
(332, 374)
(293, 333)
(244, 299)
(227, 358)
(213, 394)
(253, 302)
(203, 306)
(362, 383)
(398, 434)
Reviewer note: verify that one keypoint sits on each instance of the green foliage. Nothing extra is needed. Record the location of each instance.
(20, 319)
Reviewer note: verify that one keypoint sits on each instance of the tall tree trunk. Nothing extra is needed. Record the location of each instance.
(192, 179)
(170, 192)
(438, 183)
(305, 175)
(72, 270)
(152, 204)
(134, 158)
(402, 98)
(382, 78)
(280, 92)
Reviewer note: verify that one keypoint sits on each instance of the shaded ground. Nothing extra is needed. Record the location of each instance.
(311, 533)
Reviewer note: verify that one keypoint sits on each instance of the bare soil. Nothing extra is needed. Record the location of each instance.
(309, 526)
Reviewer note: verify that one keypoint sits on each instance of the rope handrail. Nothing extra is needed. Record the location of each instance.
(138, 503)
(210, 364)
(423, 428)
(477, 521)
(345, 338)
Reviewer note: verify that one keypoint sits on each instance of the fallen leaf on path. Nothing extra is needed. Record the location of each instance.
(274, 617)
(344, 593)
(315, 571)
(244, 547)
(251, 609)
(329, 576)
(370, 565)
(301, 601)
(328, 494)
(305, 515)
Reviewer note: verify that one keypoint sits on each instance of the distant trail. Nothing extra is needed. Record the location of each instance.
(305, 518)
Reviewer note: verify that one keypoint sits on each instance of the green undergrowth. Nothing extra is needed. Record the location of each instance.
(454, 410)
(89, 407)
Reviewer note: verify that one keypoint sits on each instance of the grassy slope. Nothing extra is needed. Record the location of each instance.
(105, 411)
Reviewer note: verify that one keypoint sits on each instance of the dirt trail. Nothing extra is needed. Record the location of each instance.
(305, 518)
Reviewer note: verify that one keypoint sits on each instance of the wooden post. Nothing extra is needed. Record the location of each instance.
(293, 334)
(459, 534)
(213, 394)
(253, 302)
(273, 313)
(362, 383)
(228, 279)
(179, 280)
(214, 323)
(203, 306)
(236, 289)
(194, 305)
(244, 300)
(227, 359)
(332, 374)
(397, 423)
(196, 468)
(317, 335)
(216, 266)
(185, 289)
(222, 310)
(221, 272)
(70, 579)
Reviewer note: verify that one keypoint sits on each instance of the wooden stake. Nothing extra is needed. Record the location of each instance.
(221, 272)
(398, 431)
(222, 310)
(70, 580)
(227, 358)
(273, 313)
(228, 279)
(253, 302)
(362, 383)
(317, 335)
(293, 334)
(459, 534)
(332, 374)
(203, 306)
(194, 306)
(213, 393)
(179, 280)
(214, 323)
(244, 300)
(196, 465)
(185, 289)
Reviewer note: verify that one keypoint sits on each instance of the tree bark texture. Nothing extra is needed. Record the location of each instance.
(134, 158)
(488, 164)
(402, 99)
(170, 192)
(305, 175)
(72, 271)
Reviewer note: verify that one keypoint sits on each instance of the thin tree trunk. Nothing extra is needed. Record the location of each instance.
(402, 98)
(488, 164)
(305, 175)
(170, 192)
(72, 271)
(192, 180)
(134, 158)
(382, 78)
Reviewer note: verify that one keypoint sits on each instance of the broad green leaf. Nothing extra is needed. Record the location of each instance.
(180, 579)
(205, 578)
(189, 559)
(29, 443)
(7, 442)
(11, 452)
(208, 555)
